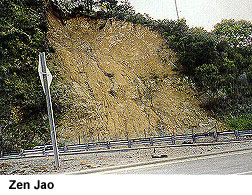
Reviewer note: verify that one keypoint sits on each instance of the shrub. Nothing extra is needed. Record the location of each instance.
(22, 103)
(242, 122)
(207, 76)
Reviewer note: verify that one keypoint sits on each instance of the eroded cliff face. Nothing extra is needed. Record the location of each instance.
(118, 82)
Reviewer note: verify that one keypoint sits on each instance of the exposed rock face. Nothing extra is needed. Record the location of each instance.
(119, 82)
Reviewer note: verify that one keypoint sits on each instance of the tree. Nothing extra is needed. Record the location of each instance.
(207, 74)
(235, 40)
(196, 47)
(237, 33)
(22, 104)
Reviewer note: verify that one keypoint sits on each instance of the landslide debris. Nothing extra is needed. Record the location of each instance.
(118, 82)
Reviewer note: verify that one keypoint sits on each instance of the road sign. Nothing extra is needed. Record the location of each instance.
(47, 73)
(46, 79)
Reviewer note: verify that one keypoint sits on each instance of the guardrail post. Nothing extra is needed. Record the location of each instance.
(44, 151)
(65, 148)
(86, 144)
(21, 152)
(129, 143)
(173, 140)
(215, 135)
(108, 145)
(194, 138)
(237, 134)
(151, 141)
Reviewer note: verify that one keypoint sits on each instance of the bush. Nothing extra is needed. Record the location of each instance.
(198, 47)
(207, 75)
(243, 122)
(22, 102)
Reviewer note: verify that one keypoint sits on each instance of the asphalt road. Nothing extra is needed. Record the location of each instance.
(223, 164)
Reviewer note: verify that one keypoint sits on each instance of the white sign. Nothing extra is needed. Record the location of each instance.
(48, 74)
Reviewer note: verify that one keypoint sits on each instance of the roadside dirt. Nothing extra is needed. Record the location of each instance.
(91, 161)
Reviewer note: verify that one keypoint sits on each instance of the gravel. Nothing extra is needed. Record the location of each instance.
(80, 162)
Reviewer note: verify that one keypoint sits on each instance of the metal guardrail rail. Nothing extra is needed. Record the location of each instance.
(209, 137)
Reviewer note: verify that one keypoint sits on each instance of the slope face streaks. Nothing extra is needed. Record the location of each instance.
(119, 82)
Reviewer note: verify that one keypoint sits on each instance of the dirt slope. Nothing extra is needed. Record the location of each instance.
(118, 82)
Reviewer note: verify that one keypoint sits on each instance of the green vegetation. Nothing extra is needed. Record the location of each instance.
(219, 62)
(23, 121)
(240, 122)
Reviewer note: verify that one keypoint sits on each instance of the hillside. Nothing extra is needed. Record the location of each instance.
(117, 82)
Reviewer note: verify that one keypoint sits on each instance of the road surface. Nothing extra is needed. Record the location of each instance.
(229, 163)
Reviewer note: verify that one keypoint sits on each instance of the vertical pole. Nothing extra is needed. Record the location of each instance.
(86, 146)
(216, 133)
(194, 138)
(129, 143)
(176, 8)
(173, 139)
(237, 134)
(50, 110)
(44, 151)
(151, 141)
(65, 147)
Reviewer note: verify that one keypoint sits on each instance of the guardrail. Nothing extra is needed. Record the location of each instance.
(208, 137)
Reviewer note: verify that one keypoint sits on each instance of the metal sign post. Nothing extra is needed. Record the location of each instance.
(46, 79)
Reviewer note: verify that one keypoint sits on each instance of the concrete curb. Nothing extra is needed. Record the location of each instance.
(99, 170)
